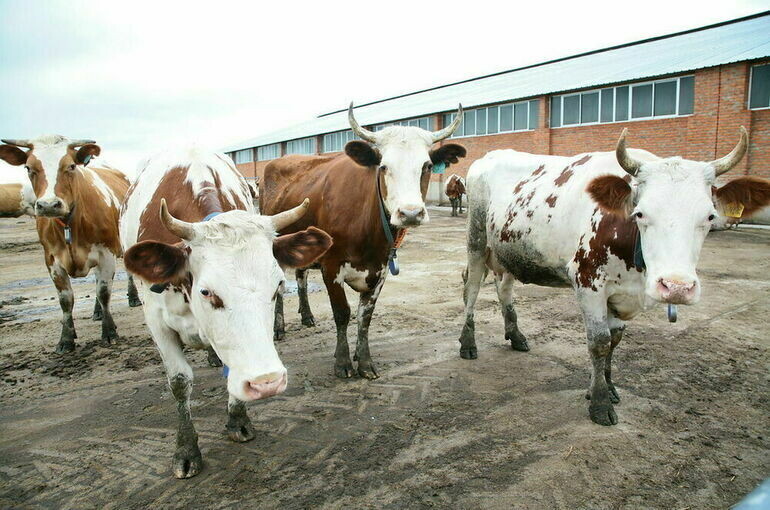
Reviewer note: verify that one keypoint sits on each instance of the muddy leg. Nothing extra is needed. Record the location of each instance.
(239, 427)
(368, 301)
(594, 308)
(212, 357)
(454, 206)
(616, 335)
(279, 329)
(343, 367)
(473, 276)
(504, 284)
(61, 281)
(304, 304)
(460, 199)
(105, 271)
(97, 315)
(133, 294)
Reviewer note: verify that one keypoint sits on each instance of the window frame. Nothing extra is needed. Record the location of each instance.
(313, 145)
(748, 91)
(528, 116)
(252, 156)
(277, 144)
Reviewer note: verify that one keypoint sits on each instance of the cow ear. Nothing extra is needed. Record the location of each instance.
(301, 248)
(156, 262)
(86, 152)
(363, 153)
(448, 154)
(746, 195)
(612, 193)
(12, 155)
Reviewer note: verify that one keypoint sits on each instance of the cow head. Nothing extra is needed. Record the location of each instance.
(405, 160)
(672, 202)
(52, 162)
(229, 269)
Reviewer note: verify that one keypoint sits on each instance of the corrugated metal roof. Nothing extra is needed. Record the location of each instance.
(724, 43)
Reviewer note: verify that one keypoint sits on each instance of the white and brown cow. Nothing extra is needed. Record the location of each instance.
(17, 198)
(77, 207)
(189, 230)
(575, 221)
(454, 190)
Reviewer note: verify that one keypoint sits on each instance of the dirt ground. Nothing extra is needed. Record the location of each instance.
(95, 429)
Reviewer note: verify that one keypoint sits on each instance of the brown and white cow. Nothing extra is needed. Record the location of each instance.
(16, 195)
(575, 222)
(455, 189)
(189, 229)
(77, 208)
(344, 202)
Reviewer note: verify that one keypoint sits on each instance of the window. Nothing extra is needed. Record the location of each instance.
(301, 146)
(335, 142)
(497, 119)
(759, 90)
(271, 151)
(244, 156)
(662, 98)
(425, 123)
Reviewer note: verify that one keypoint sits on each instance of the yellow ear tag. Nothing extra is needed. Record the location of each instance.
(734, 210)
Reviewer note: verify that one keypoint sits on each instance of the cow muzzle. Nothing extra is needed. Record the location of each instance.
(677, 291)
(52, 208)
(410, 216)
(267, 385)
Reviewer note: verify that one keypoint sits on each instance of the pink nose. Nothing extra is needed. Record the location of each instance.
(411, 216)
(676, 291)
(266, 386)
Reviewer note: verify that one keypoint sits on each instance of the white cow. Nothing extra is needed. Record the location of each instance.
(575, 222)
(189, 230)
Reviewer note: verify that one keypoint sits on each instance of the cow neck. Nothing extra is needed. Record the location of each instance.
(82, 196)
(394, 236)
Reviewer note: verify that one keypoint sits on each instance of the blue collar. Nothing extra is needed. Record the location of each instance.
(209, 216)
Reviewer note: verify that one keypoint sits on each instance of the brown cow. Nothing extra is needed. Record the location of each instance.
(77, 210)
(344, 202)
(15, 200)
(455, 189)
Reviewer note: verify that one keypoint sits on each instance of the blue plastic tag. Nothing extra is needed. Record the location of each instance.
(86, 159)
(225, 371)
(439, 168)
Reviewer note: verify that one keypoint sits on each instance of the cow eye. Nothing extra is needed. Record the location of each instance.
(205, 292)
(639, 215)
(383, 168)
(711, 217)
(71, 168)
(427, 167)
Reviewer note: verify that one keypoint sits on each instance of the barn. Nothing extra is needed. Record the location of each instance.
(680, 94)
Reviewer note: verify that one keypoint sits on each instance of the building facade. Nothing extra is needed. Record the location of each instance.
(694, 112)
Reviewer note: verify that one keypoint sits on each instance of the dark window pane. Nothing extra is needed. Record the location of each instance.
(470, 123)
(759, 96)
(607, 105)
(492, 119)
(520, 116)
(642, 101)
(506, 118)
(534, 113)
(571, 107)
(481, 121)
(621, 103)
(555, 111)
(665, 98)
(686, 95)
(589, 108)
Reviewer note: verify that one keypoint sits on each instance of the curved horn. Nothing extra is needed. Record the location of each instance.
(625, 160)
(286, 218)
(363, 134)
(18, 143)
(177, 227)
(78, 143)
(724, 164)
(451, 128)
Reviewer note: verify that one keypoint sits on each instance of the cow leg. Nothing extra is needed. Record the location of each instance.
(105, 272)
(279, 328)
(366, 304)
(473, 277)
(304, 304)
(594, 308)
(504, 284)
(617, 327)
(460, 202)
(133, 294)
(454, 206)
(212, 357)
(97, 315)
(239, 427)
(343, 367)
(61, 281)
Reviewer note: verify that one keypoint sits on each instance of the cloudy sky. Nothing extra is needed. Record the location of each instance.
(138, 76)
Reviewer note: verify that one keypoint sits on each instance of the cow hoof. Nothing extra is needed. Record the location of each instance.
(187, 461)
(65, 347)
(518, 341)
(308, 321)
(109, 339)
(213, 359)
(133, 302)
(367, 371)
(603, 414)
(469, 353)
(241, 432)
(97, 316)
(278, 336)
(344, 371)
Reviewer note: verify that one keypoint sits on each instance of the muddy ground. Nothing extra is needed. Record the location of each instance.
(95, 429)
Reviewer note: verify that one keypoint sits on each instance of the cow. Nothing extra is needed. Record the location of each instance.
(623, 229)
(77, 206)
(212, 273)
(345, 202)
(455, 189)
(16, 199)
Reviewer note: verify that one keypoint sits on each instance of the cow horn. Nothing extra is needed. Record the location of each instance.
(78, 143)
(18, 143)
(724, 164)
(286, 218)
(625, 160)
(363, 134)
(177, 227)
(451, 128)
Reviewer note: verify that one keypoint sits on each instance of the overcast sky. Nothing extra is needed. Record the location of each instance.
(137, 76)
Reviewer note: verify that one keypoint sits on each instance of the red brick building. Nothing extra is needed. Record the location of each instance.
(684, 94)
